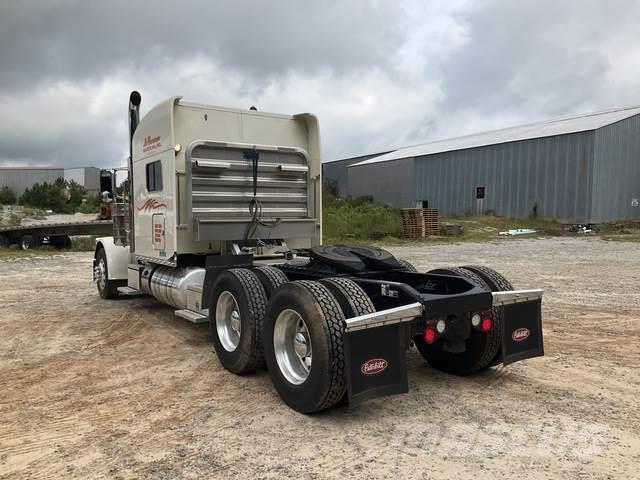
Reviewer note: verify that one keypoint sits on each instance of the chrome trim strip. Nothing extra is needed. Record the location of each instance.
(516, 296)
(159, 261)
(237, 165)
(211, 164)
(294, 168)
(275, 195)
(404, 313)
(274, 210)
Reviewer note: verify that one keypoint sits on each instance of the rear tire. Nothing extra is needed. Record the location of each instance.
(352, 298)
(107, 289)
(407, 266)
(497, 283)
(236, 318)
(27, 242)
(480, 348)
(270, 278)
(303, 346)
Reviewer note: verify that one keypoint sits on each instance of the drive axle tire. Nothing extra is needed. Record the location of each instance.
(352, 298)
(497, 283)
(270, 278)
(107, 289)
(406, 265)
(303, 345)
(236, 319)
(480, 348)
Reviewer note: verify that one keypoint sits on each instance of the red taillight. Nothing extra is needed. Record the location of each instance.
(430, 335)
(486, 324)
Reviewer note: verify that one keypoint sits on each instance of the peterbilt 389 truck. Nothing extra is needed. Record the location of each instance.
(224, 224)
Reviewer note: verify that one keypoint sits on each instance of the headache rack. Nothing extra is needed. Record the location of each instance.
(121, 216)
(220, 186)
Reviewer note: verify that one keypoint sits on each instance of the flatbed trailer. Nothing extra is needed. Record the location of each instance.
(224, 225)
(54, 234)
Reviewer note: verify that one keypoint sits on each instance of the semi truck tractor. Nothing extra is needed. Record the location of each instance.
(224, 225)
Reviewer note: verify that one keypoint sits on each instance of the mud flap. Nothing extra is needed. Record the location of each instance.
(376, 362)
(522, 331)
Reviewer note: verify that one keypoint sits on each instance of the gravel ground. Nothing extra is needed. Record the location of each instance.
(123, 389)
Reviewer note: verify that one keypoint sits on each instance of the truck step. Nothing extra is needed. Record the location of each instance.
(130, 292)
(193, 317)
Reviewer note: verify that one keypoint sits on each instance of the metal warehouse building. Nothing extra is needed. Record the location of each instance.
(582, 169)
(18, 179)
(335, 171)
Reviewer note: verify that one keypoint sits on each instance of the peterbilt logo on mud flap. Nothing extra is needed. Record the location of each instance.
(374, 366)
(520, 334)
(151, 204)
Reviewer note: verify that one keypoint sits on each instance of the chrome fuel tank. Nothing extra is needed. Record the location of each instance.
(169, 285)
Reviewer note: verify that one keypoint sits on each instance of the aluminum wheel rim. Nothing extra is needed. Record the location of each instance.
(292, 346)
(100, 274)
(228, 321)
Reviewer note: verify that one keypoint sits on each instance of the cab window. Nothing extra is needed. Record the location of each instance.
(154, 176)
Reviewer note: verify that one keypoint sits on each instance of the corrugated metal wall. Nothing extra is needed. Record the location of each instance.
(390, 182)
(18, 179)
(554, 172)
(617, 171)
(585, 177)
(336, 171)
(75, 175)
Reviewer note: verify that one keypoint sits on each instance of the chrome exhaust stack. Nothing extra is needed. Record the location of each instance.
(135, 99)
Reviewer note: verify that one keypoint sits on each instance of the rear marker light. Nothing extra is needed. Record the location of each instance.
(485, 326)
(430, 335)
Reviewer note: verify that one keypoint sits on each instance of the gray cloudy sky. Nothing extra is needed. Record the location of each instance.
(379, 74)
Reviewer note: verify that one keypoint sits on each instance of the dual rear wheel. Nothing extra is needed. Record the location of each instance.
(482, 349)
(258, 317)
(296, 328)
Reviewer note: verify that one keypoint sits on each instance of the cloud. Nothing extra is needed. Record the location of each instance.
(378, 74)
(528, 61)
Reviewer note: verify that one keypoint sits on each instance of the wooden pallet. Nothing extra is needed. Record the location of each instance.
(420, 222)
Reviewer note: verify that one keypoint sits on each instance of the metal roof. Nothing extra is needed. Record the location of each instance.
(549, 128)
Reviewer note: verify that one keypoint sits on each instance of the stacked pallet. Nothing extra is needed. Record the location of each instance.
(412, 223)
(419, 222)
(431, 221)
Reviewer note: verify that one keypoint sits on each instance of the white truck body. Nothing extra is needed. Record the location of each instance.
(206, 184)
(224, 225)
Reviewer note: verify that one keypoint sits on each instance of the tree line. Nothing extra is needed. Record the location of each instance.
(61, 196)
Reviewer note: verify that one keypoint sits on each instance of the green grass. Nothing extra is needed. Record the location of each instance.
(621, 232)
(83, 244)
(488, 227)
(629, 237)
(356, 220)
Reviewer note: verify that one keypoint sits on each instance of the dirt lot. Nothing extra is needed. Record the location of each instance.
(123, 389)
